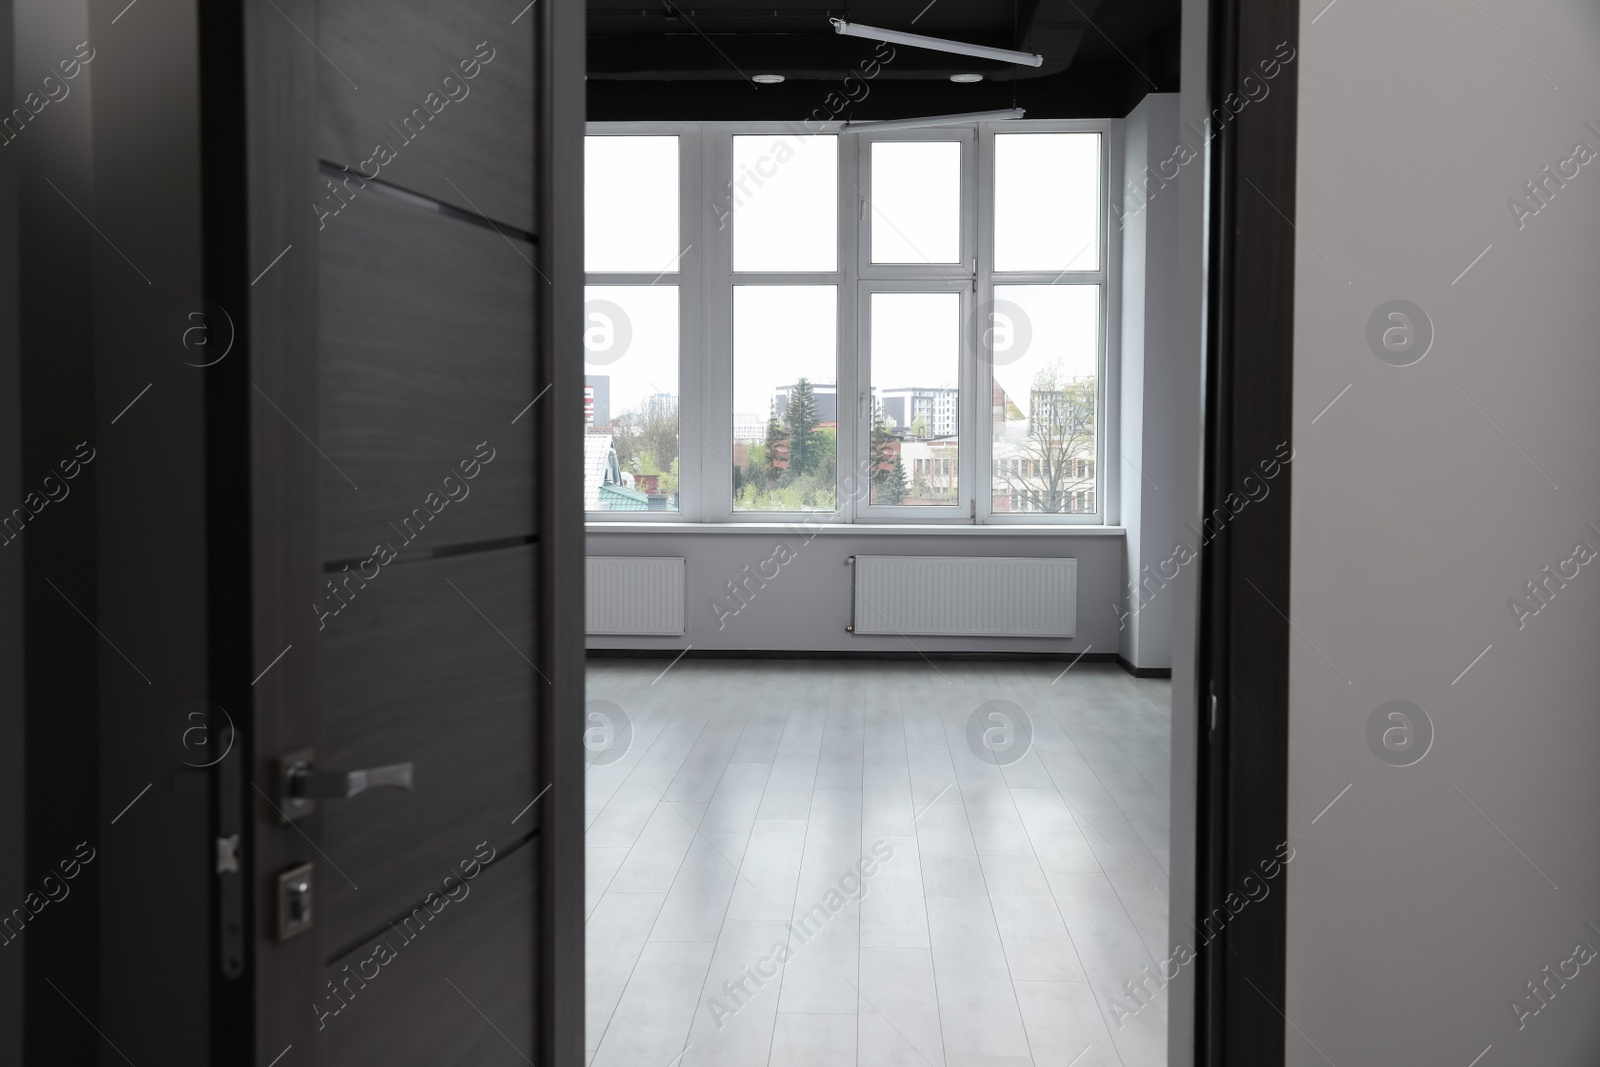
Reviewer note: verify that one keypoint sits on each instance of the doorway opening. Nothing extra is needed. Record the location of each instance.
(881, 396)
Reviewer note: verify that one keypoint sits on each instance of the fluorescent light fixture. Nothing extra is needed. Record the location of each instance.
(966, 79)
(768, 79)
(937, 44)
(873, 125)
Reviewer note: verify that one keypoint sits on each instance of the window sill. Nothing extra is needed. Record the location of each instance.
(859, 528)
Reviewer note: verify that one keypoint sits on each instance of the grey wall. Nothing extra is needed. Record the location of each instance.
(1426, 898)
(808, 605)
(1151, 383)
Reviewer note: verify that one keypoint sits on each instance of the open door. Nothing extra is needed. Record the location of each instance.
(400, 410)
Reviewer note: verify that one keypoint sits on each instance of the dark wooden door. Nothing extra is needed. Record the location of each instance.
(401, 542)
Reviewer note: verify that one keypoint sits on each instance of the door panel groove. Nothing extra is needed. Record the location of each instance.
(501, 855)
(422, 555)
(343, 174)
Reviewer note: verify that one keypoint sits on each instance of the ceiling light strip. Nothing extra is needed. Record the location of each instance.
(937, 44)
(922, 122)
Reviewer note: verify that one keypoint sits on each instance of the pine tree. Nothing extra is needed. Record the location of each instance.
(888, 473)
(894, 490)
(770, 452)
(801, 417)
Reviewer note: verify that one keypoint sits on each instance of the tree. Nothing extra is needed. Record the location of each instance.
(801, 420)
(646, 441)
(888, 473)
(769, 453)
(895, 486)
(667, 483)
(795, 468)
(1059, 444)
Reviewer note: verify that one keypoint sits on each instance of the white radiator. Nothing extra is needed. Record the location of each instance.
(964, 596)
(635, 595)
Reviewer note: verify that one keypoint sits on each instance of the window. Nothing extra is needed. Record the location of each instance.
(785, 397)
(631, 329)
(874, 327)
(1046, 392)
(915, 202)
(785, 203)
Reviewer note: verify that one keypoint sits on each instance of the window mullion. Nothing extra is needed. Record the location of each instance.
(849, 487)
(714, 349)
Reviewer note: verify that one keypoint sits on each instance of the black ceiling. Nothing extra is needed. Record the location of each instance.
(655, 60)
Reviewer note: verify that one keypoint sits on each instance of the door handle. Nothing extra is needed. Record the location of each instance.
(306, 782)
(301, 784)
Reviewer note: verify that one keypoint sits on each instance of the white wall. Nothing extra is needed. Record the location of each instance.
(1150, 390)
(1187, 377)
(808, 605)
(1427, 897)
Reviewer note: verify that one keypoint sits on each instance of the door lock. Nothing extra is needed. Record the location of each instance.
(301, 784)
(294, 901)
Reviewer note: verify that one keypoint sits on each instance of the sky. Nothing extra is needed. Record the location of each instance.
(784, 215)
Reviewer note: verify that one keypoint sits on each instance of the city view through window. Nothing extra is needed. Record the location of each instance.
(939, 328)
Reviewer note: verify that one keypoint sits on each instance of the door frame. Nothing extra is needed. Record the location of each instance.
(1242, 658)
(560, 50)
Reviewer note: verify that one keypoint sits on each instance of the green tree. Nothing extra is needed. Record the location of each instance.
(769, 453)
(667, 483)
(801, 420)
(888, 473)
(894, 490)
(646, 443)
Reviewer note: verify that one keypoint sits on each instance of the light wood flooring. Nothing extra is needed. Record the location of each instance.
(728, 922)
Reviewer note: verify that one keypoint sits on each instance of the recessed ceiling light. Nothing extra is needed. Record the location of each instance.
(966, 79)
(768, 79)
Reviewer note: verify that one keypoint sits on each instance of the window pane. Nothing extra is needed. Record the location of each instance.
(784, 203)
(1047, 201)
(1044, 343)
(630, 387)
(785, 397)
(630, 204)
(916, 363)
(916, 201)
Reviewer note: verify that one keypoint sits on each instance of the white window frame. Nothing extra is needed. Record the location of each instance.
(1107, 277)
(688, 276)
(962, 510)
(705, 280)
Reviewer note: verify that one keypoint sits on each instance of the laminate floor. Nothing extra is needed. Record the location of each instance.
(799, 863)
